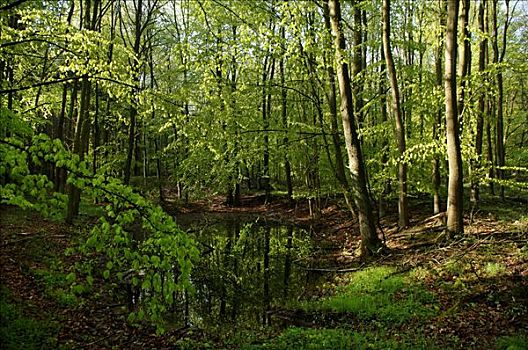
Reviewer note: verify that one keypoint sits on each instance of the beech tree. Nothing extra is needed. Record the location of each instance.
(455, 196)
(370, 242)
(403, 207)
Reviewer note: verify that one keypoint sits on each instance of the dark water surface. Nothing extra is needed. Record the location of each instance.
(248, 268)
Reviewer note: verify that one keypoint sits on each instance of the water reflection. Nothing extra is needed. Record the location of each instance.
(247, 268)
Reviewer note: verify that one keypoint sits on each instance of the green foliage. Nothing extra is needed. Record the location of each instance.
(26, 189)
(136, 241)
(302, 338)
(18, 331)
(493, 269)
(59, 285)
(514, 342)
(380, 293)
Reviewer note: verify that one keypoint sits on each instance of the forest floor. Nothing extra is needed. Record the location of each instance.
(468, 292)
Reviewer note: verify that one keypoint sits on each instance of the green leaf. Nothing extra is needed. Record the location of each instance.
(70, 278)
(146, 284)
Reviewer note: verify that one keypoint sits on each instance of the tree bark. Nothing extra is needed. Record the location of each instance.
(455, 200)
(436, 178)
(284, 117)
(332, 105)
(464, 65)
(483, 48)
(82, 128)
(357, 63)
(403, 207)
(498, 59)
(370, 242)
(135, 91)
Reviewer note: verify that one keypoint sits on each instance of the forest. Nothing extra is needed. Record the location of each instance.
(264, 174)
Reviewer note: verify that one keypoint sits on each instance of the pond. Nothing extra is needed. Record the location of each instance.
(248, 268)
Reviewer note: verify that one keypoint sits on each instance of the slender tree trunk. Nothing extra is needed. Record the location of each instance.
(288, 262)
(138, 22)
(96, 132)
(339, 167)
(267, 76)
(436, 178)
(489, 154)
(80, 145)
(382, 202)
(60, 176)
(498, 59)
(284, 115)
(332, 104)
(82, 128)
(455, 200)
(464, 64)
(406, 107)
(357, 63)
(483, 48)
(403, 208)
(370, 242)
(266, 286)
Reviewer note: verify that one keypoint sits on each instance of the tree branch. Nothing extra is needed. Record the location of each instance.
(42, 83)
(11, 5)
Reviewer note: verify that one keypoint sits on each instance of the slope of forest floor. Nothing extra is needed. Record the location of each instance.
(427, 292)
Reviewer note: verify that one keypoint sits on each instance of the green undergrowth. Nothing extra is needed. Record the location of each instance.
(515, 342)
(18, 331)
(302, 338)
(381, 294)
(60, 286)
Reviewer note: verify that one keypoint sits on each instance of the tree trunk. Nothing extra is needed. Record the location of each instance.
(284, 115)
(483, 48)
(135, 91)
(266, 111)
(382, 201)
(464, 65)
(498, 59)
(357, 63)
(82, 128)
(370, 242)
(332, 105)
(455, 200)
(436, 178)
(60, 173)
(403, 210)
(266, 287)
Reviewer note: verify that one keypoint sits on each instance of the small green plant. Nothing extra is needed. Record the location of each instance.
(514, 342)
(379, 293)
(314, 339)
(58, 284)
(20, 332)
(493, 269)
(300, 338)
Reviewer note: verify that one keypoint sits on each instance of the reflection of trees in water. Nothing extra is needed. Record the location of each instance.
(247, 269)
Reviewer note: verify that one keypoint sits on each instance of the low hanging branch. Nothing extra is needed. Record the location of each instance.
(148, 264)
(283, 130)
(42, 83)
(12, 5)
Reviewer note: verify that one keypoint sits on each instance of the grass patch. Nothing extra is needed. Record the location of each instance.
(494, 269)
(514, 342)
(379, 293)
(313, 339)
(88, 208)
(57, 286)
(18, 331)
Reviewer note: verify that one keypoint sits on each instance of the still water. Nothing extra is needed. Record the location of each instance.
(248, 268)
